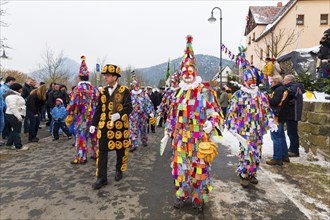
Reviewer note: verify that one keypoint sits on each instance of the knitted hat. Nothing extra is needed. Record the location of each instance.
(16, 87)
(60, 100)
(188, 58)
(111, 69)
(83, 68)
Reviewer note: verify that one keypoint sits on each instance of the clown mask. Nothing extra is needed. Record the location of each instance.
(250, 83)
(188, 74)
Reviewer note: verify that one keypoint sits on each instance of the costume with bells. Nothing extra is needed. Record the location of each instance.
(192, 118)
(138, 119)
(112, 120)
(249, 116)
(82, 105)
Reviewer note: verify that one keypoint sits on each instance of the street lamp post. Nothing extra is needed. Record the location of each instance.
(212, 19)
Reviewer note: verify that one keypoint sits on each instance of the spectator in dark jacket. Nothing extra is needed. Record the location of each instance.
(34, 101)
(159, 97)
(153, 99)
(49, 101)
(27, 88)
(294, 112)
(278, 101)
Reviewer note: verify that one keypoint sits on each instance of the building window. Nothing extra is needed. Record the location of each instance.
(253, 36)
(268, 51)
(324, 19)
(249, 40)
(261, 54)
(251, 61)
(300, 20)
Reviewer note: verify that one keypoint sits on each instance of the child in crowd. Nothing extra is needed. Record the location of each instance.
(59, 114)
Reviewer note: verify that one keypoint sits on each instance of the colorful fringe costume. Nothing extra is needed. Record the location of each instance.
(249, 117)
(82, 105)
(138, 119)
(193, 106)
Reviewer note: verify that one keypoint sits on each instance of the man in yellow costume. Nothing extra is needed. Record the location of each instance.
(111, 120)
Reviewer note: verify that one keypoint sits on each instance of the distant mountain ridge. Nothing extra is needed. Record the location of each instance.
(207, 66)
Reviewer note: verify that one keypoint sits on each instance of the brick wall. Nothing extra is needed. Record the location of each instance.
(314, 128)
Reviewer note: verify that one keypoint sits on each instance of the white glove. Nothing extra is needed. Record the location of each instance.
(207, 127)
(272, 126)
(166, 133)
(92, 129)
(115, 117)
(152, 115)
(233, 131)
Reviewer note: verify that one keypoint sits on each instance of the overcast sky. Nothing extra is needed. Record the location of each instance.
(136, 33)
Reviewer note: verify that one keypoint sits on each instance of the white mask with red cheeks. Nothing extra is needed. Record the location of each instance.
(188, 74)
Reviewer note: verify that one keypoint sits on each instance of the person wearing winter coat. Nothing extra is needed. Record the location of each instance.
(15, 113)
(223, 100)
(33, 109)
(59, 114)
(294, 113)
(278, 101)
(268, 70)
(4, 123)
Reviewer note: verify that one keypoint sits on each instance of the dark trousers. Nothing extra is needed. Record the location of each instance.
(62, 125)
(292, 130)
(103, 162)
(34, 124)
(7, 128)
(15, 134)
(224, 111)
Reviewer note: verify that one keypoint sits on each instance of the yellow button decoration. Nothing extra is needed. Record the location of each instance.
(120, 107)
(119, 124)
(111, 69)
(121, 89)
(98, 134)
(101, 124)
(126, 143)
(111, 145)
(109, 125)
(123, 167)
(103, 98)
(119, 144)
(110, 106)
(125, 159)
(118, 134)
(126, 134)
(110, 134)
(104, 108)
(103, 116)
(118, 97)
(124, 117)
(126, 124)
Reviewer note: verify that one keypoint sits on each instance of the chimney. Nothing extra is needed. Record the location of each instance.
(279, 4)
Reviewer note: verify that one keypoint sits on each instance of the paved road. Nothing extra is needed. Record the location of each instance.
(42, 184)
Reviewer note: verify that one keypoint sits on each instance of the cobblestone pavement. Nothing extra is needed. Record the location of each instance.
(42, 184)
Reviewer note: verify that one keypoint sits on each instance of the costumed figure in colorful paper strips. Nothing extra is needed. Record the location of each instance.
(138, 119)
(168, 98)
(82, 105)
(195, 114)
(249, 116)
(112, 120)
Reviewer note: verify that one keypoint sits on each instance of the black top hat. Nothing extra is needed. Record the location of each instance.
(111, 69)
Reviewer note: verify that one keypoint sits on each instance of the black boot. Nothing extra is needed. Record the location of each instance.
(99, 183)
(118, 175)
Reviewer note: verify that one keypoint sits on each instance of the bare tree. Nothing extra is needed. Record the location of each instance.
(19, 76)
(52, 68)
(276, 42)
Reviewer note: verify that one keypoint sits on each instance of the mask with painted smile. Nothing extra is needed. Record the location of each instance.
(188, 74)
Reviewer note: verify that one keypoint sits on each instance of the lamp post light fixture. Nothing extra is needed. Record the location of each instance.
(212, 19)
